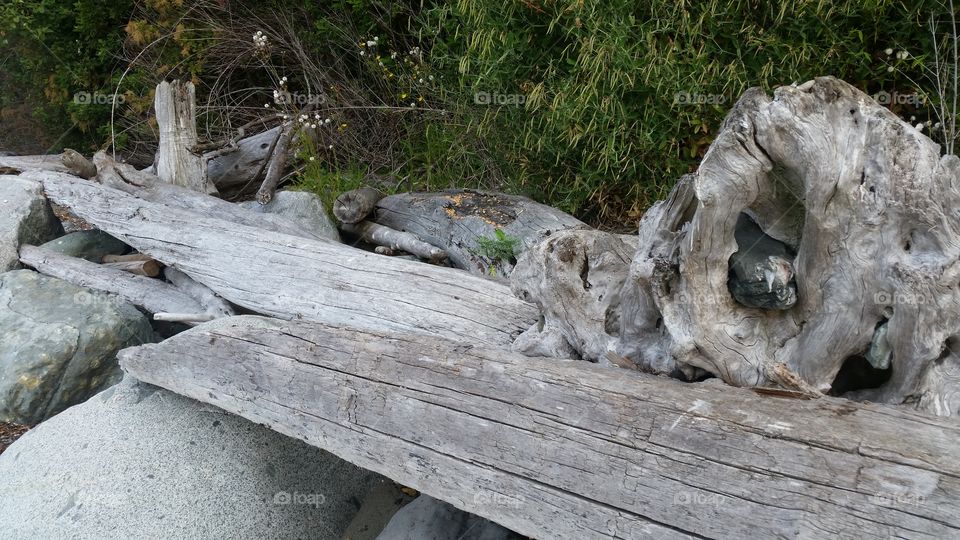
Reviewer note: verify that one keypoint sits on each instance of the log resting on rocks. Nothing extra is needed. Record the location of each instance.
(152, 295)
(868, 206)
(292, 277)
(456, 220)
(555, 449)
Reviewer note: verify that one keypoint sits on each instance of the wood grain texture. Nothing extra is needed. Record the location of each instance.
(152, 295)
(291, 277)
(556, 449)
(454, 220)
(176, 112)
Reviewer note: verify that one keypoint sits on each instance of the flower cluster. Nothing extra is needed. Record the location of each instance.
(261, 45)
(407, 71)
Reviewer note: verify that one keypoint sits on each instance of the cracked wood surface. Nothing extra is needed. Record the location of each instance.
(556, 449)
(290, 277)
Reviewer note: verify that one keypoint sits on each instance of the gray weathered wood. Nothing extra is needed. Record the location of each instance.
(176, 111)
(575, 278)
(211, 303)
(381, 235)
(77, 164)
(556, 449)
(355, 205)
(454, 220)
(292, 277)
(241, 170)
(152, 295)
(18, 164)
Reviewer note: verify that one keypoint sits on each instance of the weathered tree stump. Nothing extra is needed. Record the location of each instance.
(176, 111)
(868, 206)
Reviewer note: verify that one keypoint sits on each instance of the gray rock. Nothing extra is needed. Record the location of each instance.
(761, 271)
(58, 344)
(301, 207)
(137, 461)
(427, 518)
(25, 218)
(91, 245)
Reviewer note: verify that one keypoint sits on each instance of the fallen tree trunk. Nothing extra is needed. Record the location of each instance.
(355, 205)
(152, 295)
(148, 268)
(461, 221)
(569, 450)
(292, 277)
(240, 171)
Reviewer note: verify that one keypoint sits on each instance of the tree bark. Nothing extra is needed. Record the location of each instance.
(458, 220)
(556, 449)
(175, 105)
(292, 277)
(152, 295)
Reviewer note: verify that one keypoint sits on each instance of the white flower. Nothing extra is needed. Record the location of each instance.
(393, 55)
(376, 38)
(889, 69)
(371, 43)
(313, 126)
(413, 103)
(936, 126)
(919, 127)
(362, 53)
(888, 52)
(912, 118)
(430, 77)
(283, 79)
(327, 121)
(266, 105)
(420, 81)
(312, 158)
(330, 147)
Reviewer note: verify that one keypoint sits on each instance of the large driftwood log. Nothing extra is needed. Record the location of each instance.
(176, 111)
(570, 450)
(152, 295)
(869, 305)
(456, 220)
(148, 187)
(292, 277)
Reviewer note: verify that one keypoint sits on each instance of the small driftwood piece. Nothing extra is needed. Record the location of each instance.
(554, 449)
(77, 164)
(184, 317)
(175, 105)
(152, 295)
(211, 303)
(395, 240)
(277, 164)
(133, 257)
(355, 205)
(309, 279)
(148, 268)
(457, 220)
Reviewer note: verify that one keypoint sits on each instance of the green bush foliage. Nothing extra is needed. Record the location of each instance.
(593, 107)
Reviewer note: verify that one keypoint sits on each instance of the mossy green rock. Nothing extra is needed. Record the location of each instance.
(58, 344)
(89, 245)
